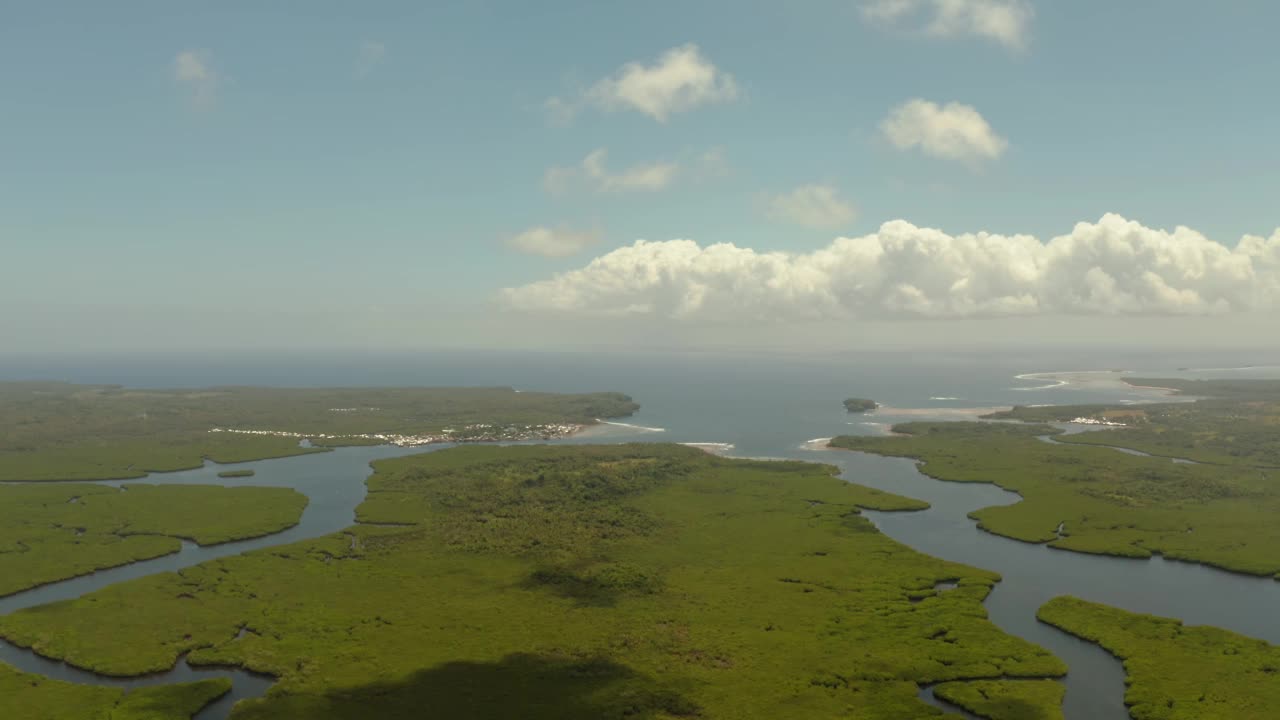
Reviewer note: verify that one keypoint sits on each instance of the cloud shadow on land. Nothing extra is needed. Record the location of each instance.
(521, 685)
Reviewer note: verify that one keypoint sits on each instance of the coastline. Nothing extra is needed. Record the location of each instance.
(1163, 390)
(945, 413)
(1094, 379)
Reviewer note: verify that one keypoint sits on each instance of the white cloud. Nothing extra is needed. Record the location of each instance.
(953, 131)
(1007, 22)
(1112, 267)
(593, 174)
(193, 71)
(369, 56)
(680, 80)
(553, 242)
(812, 206)
(889, 10)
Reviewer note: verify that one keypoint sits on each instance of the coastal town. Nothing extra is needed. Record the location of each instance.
(479, 432)
(1095, 421)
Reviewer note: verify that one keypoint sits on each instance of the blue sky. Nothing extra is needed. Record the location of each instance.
(228, 167)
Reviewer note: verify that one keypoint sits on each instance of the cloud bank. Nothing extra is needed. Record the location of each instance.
(679, 81)
(1112, 267)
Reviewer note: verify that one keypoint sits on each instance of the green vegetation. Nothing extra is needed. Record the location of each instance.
(1104, 501)
(51, 532)
(1177, 672)
(574, 583)
(31, 697)
(1006, 699)
(1238, 422)
(58, 431)
(236, 473)
(860, 405)
(1249, 390)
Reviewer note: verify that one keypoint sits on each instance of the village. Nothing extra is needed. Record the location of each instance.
(480, 432)
(1095, 421)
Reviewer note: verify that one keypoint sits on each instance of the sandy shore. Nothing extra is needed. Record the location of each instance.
(713, 448)
(1092, 379)
(972, 413)
(1163, 390)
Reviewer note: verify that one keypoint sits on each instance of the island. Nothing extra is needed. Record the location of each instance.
(236, 473)
(577, 582)
(860, 405)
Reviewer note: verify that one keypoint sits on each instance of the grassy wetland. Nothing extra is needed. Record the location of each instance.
(60, 431)
(1176, 672)
(1096, 500)
(1006, 699)
(1236, 422)
(640, 581)
(31, 697)
(51, 532)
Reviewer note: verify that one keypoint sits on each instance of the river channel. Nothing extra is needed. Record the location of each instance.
(1032, 574)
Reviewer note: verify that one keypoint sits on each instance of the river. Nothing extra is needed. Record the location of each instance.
(759, 409)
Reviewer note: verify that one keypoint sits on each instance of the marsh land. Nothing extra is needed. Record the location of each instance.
(51, 532)
(1175, 671)
(1214, 503)
(31, 697)
(1079, 494)
(630, 580)
(571, 582)
(62, 431)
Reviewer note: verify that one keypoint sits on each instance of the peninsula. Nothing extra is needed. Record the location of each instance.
(1216, 506)
(60, 431)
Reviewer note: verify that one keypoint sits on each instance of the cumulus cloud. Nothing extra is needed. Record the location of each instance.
(1112, 267)
(592, 174)
(680, 80)
(812, 206)
(369, 56)
(553, 242)
(1007, 22)
(194, 73)
(953, 131)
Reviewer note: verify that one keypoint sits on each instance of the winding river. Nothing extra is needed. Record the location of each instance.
(334, 484)
(1032, 574)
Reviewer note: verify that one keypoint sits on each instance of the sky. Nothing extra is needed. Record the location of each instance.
(819, 173)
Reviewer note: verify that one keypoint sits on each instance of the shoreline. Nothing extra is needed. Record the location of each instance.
(1117, 381)
(565, 431)
(1164, 390)
(1149, 555)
